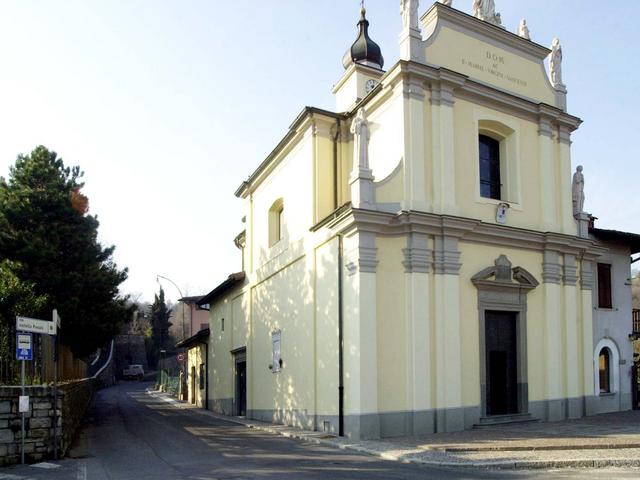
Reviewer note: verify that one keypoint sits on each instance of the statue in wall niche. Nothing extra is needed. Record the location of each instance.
(523, 30)
(360, 131)
(555, 63)
(409, 12)
(577, 191)
(446, 2)
(486, 10)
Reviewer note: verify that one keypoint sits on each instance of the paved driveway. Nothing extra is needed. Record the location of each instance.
(130, 435)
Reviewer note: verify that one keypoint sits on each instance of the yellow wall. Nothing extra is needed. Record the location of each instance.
(326, 328)
(233, 309)
(392, 331)
(195, 357)
(284, 302)
(292, 181)
(490, 64)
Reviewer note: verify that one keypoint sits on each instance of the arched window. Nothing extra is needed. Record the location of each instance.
(604, 363)
(490, 186)
(276, 222)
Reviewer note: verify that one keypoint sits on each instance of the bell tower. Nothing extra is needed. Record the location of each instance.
(363, 64)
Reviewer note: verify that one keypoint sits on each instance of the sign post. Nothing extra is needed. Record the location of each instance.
(56, 323)
(25, 327)
(24, 352)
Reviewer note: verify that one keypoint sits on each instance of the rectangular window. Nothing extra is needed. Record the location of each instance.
(489, 167)
(202, 376)
(222, 324)
(604, 286)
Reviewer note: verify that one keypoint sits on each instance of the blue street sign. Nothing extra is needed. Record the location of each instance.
(24, 346)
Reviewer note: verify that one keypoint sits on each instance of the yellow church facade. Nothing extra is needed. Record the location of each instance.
(415, 262)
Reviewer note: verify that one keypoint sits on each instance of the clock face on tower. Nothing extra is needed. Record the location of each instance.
(370, 85)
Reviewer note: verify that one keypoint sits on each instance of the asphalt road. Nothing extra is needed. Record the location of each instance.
(129, 435)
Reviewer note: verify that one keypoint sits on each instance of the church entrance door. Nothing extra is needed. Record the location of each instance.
(501, 352)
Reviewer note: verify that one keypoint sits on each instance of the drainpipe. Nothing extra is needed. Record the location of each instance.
(206, 374)
(340, 344)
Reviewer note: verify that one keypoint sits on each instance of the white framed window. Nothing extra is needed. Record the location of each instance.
(606, 361)
(497, 162)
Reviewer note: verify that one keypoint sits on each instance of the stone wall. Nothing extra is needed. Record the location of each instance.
(73, 400)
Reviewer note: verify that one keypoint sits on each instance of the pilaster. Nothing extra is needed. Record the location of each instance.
(446, 343)
(417, 263)
(360, 336)
(586, 315)
(323, 170)
(564, 160)
(553, 313)
(414, 145)
(443, 148)
(547, 174)
(572, 336)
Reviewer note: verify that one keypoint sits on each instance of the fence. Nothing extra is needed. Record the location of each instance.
(169, 377)
(40, 370)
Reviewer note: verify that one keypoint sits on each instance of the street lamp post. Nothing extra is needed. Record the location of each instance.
(163, 374)
(181, 296)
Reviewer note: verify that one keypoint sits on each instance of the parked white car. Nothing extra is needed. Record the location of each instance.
(133, 371)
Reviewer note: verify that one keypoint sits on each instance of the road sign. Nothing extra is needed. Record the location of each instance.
(181, 357)
(24, 350)
(23, 404)
(56, 318)
(24, 324)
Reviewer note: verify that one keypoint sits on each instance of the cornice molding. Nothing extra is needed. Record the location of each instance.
(462, 229)
(461, 86)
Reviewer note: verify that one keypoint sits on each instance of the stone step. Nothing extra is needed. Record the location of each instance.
(512, 419)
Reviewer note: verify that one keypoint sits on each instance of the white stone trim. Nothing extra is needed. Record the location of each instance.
(614, 366)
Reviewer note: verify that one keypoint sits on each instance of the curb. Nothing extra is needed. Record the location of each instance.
(316, 437)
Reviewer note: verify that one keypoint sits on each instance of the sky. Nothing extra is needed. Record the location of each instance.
(168, 105)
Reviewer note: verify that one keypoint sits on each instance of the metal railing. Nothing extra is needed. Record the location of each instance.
(636, 321)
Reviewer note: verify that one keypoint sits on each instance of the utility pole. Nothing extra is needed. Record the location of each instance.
(181, 296)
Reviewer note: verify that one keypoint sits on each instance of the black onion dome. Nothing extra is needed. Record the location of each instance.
(364, 50)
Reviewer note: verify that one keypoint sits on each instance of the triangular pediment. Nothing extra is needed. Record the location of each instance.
(486, 53)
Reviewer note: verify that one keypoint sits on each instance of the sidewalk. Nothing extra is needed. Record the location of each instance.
(609, 440)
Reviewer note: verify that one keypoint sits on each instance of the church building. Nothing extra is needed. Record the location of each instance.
(419, 260)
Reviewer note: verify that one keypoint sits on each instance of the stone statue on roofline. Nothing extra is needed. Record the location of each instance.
(523, 30)
(486, 10)
(446, 2)
(360, 131)
(409, 12)
(577, 191)
(555, 63)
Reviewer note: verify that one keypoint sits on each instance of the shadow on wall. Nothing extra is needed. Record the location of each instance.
(296, 300)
